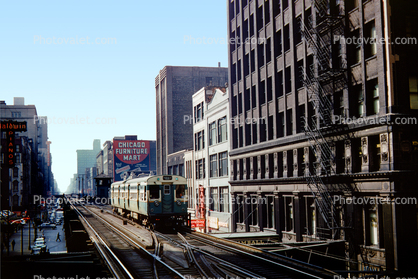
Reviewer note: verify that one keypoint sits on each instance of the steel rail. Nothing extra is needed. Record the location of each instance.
(102, 242)
(133, 242)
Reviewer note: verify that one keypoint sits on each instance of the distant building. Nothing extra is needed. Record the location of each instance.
(86, 158)
(174, 87)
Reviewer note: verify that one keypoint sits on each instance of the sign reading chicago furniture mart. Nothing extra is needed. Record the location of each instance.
(10, 127)
(130, 155)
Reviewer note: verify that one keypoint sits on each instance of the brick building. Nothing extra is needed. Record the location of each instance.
(297, 155)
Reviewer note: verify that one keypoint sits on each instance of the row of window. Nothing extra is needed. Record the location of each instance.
(294, 162)
(362, 101)
(176, 169)
(315, 224)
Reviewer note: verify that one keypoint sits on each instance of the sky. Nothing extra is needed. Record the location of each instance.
(90, 66)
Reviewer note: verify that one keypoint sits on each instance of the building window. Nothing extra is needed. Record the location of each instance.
(170, 170)
(356, 47)
(200, 169)
(212, 133)
(269, 221)
(214, 203)
(208, 81)
(15, 172)
(181, 169)
(286, 37)
(288, 79)
(339, 103)
(311, 218)
(213, 165)
(371, 48)
(357, 101)
(351, 4)
(16, 114)
(15, 200)
(222, 130)
(289, 214)
(253, 218)
(289, 122)
(373, 97)
(199, 140)
(223, 164)
(15, 186)
(224, 201)
(240, 210)
(198, 112)
(413, 92)
(371, 226)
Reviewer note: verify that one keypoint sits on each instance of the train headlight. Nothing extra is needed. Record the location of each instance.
(178, 203)
(152, 210)
(156, 203)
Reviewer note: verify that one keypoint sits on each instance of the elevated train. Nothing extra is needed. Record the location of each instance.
(155, 201)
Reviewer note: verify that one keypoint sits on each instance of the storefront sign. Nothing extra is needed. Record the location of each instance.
(198, 223)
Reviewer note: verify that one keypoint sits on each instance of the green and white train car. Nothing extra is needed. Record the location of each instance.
(156, 201)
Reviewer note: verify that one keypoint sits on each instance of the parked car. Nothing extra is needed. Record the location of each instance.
(47, 225)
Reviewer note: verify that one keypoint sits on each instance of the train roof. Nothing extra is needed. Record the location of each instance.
(156, 179)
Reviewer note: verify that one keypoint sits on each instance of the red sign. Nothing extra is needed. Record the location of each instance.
(131, 151)
(198, 223)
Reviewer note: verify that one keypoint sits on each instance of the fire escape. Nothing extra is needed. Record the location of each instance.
(321, 79)
(319, 82)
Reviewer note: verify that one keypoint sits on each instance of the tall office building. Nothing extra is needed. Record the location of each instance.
(31, 173)
(323, 118)
(174, 87)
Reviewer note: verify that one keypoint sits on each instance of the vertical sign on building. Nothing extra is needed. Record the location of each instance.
(10, 127)
(130, 156)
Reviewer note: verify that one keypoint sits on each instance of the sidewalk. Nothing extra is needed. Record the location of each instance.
(50, 238)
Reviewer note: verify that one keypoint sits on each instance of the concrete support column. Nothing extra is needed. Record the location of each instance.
(276, 167)
(365, 154)
(299, 215)
(268, 169)
(295, 163)
(252, 168)
(279, 213)
(347, 156)
(384, 152)
(258, 167)
(234, 212)
(246, 211)
(260, 210)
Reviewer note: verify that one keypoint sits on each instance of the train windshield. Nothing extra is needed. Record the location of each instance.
(154, 192)
(180, 190)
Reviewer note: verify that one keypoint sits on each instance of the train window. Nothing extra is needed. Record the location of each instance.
(180, 189)
(166, 189)
(154, 192)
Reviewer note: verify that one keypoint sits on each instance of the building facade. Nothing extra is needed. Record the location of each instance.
(31, 174)
(320, 120)
(210, 158)
(174, 87)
